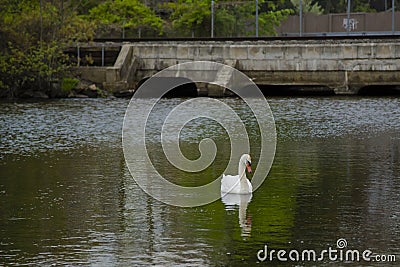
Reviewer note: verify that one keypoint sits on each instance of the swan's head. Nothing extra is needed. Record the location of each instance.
(246, 160)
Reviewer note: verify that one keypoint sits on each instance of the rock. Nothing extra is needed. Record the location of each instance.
(4, 93)
(81, 96)
(32, 94)
(91, 93)
(89, 89)
(93, 87)
(83, 85)
(56, 92)
(124, 93)
(74, 94)
(24, 93)
(40, 94)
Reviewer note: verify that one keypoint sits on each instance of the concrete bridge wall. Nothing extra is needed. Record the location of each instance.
(344, 66)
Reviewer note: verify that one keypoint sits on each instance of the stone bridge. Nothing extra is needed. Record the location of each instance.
(343, 66)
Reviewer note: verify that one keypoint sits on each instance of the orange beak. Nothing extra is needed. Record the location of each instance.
(248, 166)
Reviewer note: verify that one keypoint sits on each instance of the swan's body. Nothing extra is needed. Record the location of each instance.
(234, 185)
(238, 184)
(232, 201)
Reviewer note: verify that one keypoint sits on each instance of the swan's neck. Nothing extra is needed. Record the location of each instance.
(244, 187)
(242, 172)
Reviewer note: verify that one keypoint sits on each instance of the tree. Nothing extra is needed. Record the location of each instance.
(308, 7)
(225, 23)
(272, 16)
(190, 17)
(33, 35)
(33, 69)
(123, 14)
(232, 18)
(356, 5)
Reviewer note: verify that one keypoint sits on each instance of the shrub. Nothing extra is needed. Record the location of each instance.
(68, 84)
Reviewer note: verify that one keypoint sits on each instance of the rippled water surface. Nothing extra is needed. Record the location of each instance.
(67, 197)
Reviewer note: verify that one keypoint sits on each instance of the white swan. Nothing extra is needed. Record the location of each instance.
(238, 184)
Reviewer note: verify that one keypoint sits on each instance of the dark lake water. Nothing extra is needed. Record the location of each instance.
(67, 197)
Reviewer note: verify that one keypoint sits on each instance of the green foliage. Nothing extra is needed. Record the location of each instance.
(309, 6)
(190, 17)
(193, 17)
(271, 19)
(32, 41)
(68, 84)
(33, 34)
(24, 24)
(330, 6)
(225, 23)
(34, 68)
(363, 7)
(128, 14)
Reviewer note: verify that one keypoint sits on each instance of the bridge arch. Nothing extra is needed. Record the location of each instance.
(296, 90)
(379, 90)
(187, 89)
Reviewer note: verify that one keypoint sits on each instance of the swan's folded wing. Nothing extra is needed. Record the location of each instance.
(228, 182)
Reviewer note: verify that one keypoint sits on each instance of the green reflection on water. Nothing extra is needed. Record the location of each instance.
(337, 178)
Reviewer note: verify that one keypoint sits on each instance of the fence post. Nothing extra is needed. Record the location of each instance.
(256, 18)
(102, 55)
(393, 8)
(78, 55)
(301, 18)
(212, 18)
(348, 16)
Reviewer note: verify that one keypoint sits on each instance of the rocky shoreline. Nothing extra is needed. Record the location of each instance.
(83, 89)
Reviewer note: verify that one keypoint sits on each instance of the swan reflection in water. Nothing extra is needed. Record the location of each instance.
(239, 201)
